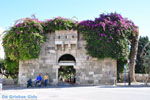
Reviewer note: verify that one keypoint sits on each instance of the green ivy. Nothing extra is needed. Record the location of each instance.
(108, 36)
(59, 24)
(23, 41)
(12, 67)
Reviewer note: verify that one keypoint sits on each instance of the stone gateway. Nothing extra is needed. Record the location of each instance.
(63, 56)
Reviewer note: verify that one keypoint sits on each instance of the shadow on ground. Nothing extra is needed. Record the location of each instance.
(16, 87)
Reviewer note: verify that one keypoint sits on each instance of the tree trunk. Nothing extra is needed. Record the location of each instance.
(132, 59)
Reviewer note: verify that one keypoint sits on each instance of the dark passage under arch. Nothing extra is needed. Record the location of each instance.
(67, 57)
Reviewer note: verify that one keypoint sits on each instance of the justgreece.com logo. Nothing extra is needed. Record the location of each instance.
(19, 97)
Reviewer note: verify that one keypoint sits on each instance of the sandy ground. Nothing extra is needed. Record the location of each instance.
(77, 93)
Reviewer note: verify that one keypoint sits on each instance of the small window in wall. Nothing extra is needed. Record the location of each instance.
(66, 46)
(73, 46)
(66, 37)
(59, 47)
(73, 36)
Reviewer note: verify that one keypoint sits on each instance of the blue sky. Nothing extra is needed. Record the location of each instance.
(136, 10)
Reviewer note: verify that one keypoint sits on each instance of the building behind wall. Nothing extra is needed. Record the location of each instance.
(67, 48)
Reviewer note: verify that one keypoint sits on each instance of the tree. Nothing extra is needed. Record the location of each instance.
(146, 60)
(139, 67)
(11, 68)
(2, 66)
(132, 56)
(23, 41)
(109, 31)
(120, 67)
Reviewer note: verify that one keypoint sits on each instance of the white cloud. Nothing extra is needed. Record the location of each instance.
(1, 47)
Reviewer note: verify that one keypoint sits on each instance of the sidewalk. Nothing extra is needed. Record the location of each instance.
(136, 84)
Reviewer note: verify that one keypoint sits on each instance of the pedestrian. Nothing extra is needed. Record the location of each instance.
(29, 83)
(46, 79)
(38, 80)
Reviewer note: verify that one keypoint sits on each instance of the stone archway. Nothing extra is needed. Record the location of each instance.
(67, 58)
(66, 71)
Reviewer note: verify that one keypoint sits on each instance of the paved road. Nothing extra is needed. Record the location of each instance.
(78, 93)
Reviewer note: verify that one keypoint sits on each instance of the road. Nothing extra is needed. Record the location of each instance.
(78, 93)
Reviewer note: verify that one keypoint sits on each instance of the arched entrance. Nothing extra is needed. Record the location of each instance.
(66, 72)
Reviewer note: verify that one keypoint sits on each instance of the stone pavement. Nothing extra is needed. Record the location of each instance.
(77, 93)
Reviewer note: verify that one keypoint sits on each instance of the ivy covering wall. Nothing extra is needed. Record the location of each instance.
(59, 23)
(107, 36)
(23, 40)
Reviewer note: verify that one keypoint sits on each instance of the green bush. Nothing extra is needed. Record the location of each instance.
(23, 41)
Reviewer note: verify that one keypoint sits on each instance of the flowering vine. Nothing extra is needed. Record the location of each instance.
(59, 23)
(108, 36)
(23, 40)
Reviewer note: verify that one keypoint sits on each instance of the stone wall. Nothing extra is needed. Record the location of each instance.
(89, 71)
(97, 72)
(138, 77)
(7, 81)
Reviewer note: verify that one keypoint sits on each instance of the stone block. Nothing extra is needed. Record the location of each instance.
(96, 81)
(91, 73)
(90, 81)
